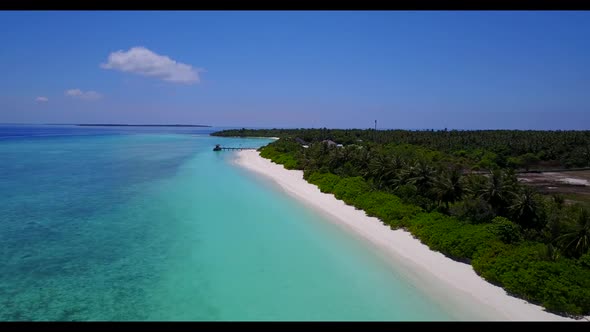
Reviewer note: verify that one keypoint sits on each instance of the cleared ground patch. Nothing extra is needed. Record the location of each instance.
(573, 185)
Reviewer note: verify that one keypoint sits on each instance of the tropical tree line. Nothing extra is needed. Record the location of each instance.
(485, 149)
(434, 181)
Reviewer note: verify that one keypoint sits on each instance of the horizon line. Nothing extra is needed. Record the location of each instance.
(271, 127)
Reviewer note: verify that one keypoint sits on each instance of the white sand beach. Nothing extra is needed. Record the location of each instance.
(454, 284)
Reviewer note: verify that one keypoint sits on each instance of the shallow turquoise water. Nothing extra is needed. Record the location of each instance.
(140, 225)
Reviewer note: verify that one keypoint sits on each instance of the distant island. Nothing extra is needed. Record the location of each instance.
(136, 125)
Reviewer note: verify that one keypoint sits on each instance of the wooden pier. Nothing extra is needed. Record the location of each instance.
(220, 148)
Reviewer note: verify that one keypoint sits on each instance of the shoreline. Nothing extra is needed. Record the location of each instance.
(449, 282)
(258, 137)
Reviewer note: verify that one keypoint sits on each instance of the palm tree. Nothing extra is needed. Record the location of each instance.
(525, 208)
(378, 168)
(422, 176)
(474, 184)
(559, 200)
(335, 159)
(576, 239)
(361, 159)
(448, 186)
(552, 252)
(384, 169)
(394, 179)
(498, 191)
(554, 225)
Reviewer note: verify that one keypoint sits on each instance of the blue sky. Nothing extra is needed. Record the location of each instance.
(340, 69)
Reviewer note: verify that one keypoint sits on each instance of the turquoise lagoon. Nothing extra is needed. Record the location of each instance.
(128, 224)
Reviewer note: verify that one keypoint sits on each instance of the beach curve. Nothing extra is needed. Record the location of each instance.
(450, 282)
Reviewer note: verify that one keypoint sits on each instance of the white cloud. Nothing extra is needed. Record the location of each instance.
(86, 95)
(41, 99)
(142, 61)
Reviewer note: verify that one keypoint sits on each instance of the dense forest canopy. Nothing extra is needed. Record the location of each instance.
(457, 191)
(518, 149)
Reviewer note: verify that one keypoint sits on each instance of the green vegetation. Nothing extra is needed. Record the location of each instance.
(280, 154)
(578, 198)
(518, 149)
(458, 193)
